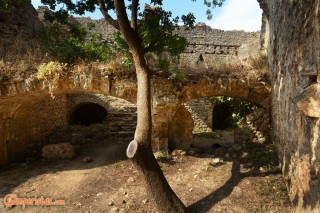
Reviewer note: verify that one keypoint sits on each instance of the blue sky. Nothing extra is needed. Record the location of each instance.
(233, 15)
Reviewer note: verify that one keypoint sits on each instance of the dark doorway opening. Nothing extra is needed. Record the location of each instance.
(222, 116)
(87, 114)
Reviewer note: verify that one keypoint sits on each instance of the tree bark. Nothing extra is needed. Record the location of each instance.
(165, 198)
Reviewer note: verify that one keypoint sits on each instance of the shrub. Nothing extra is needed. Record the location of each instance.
(121, 64)
(178, 75)
(51, 70)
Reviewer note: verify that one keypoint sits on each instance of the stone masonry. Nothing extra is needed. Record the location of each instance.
(167, 94)
(206, 48)
(201, 112)
(293, 51)
(121, 118)
(26, 119)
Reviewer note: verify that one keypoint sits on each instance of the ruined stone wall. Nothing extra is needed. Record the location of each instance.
(111, 104)
(121, 118)
(215, 46)
(19, 21)
(294, 59)
(201, 112)
(99, 26)
(208, 48)
(26, 119)
(20, 29)
(256, 127)
(180, 129)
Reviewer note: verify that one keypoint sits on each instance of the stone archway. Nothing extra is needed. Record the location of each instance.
(180, 130)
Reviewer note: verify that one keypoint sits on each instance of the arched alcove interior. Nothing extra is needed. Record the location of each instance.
(87, 114)
(222, 116)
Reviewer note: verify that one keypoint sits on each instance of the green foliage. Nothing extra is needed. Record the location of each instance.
(163, 63)
(4, 4)
(211, 4)
(178, 75)
(157, 33)
(69, 45)
(121, 64)
(126, 61)
(120, 43)
(240, 108)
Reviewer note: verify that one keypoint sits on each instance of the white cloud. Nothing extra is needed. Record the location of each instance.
(238, 15)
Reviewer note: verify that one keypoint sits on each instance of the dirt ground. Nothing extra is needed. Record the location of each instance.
(241, 178)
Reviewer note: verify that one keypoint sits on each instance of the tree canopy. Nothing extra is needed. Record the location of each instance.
(155, 26)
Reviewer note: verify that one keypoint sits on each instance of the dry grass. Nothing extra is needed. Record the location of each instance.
(21, 58)
(253, 68)
(114, 68)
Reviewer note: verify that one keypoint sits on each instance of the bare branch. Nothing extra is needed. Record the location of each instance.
(130, 35)
(106, 15)
(134, 14)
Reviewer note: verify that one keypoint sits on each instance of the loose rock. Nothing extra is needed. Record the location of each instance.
(58, 151)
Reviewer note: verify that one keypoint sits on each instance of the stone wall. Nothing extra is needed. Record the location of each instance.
(256, 127)
(99, 26)
(167, 95)
(206, 48)
(201, 112)
(19, 22)
(26, 119)
(180, 129)
(121, 118)
(111, 104)
(293, 52)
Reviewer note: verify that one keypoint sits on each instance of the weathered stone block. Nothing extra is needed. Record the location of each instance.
(58, 151)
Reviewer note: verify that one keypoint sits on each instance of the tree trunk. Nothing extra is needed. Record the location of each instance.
(164, 197)
(140, 149)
